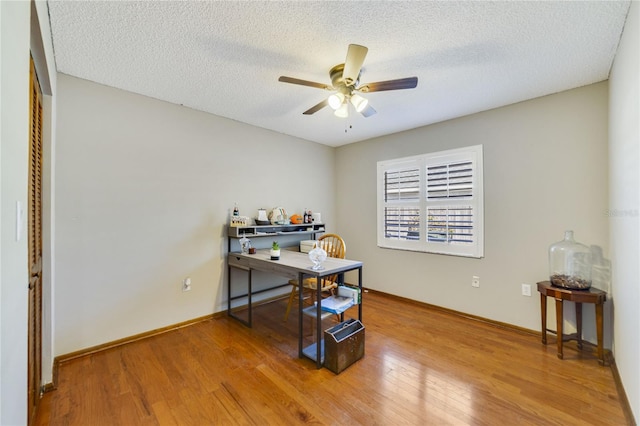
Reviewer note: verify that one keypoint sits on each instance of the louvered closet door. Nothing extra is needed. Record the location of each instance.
(35, 247)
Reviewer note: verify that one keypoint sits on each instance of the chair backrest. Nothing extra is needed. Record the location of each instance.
(333, 244)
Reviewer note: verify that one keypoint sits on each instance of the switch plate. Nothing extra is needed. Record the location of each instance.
(19, 220)
(526, 290)
(475, 281)
(186, 284)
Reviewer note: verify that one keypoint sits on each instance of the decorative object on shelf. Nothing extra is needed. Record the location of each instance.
(278, 216)
(262, 218)
(245, 244)
(295, 219)
(317, 217)
(317, 256)
(275, 251)
(236, 212)
(570, 264)
(238, 221)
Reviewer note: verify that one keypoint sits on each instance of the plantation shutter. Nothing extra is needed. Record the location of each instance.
(432, 202)
(401, 193)
(402, 222)
(448, 184)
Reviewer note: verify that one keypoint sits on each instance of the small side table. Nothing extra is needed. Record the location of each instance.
(592, 295)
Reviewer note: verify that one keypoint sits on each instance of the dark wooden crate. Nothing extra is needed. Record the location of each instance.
(343, 345)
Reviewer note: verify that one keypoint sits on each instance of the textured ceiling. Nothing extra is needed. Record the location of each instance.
(225, 57)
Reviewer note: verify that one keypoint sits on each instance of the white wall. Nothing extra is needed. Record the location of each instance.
(14, 161)
(545, 171)
(143, 193)
(624, 157)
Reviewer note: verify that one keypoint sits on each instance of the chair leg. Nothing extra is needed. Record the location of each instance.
(291, 297)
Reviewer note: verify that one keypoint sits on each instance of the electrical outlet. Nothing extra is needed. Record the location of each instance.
(526, 290)
(186, 284)
(475, 281)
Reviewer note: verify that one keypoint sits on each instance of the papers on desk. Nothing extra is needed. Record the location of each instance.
(336, 304)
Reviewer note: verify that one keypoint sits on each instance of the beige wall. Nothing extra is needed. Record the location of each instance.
(545, 171)
(624, 149)
(143, 193)
(14, 168)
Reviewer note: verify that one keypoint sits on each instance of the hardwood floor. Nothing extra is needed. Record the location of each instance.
(421, 366)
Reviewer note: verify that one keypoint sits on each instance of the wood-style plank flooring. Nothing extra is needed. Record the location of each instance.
(422, 366)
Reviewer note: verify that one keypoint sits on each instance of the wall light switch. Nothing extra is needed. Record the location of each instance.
(19, 220)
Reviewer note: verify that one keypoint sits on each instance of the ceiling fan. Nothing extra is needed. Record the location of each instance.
(345, 81)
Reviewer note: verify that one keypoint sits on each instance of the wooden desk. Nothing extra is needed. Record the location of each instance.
(297, 265)
(592, 295)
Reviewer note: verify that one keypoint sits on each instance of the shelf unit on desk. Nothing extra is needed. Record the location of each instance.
(261, 231)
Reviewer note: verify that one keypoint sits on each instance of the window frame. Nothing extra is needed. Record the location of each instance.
(471, 154)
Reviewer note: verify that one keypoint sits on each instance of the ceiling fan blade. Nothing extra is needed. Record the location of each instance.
(401, 83)
(353, 63)
(304, 82)
(316, 107)
(368, 111)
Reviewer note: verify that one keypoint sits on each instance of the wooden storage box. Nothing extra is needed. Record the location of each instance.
(343, 345)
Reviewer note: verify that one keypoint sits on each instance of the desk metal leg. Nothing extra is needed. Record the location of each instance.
(599, 327)
(248, 321)
(579, 323)
(300, 331)
(318, 322)
(360, 287)
(229, 290)
(250, 313)
(543, 314)
(559, 323)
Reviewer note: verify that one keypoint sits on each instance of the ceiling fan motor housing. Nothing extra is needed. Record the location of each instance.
(338, 82)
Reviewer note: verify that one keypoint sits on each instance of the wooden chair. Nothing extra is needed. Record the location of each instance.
(335, 247)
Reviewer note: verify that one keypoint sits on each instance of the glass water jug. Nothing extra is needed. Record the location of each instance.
(570, 264)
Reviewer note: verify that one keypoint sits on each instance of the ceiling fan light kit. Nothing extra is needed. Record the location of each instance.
(358, 102)
(336, 100)
(343, 111)
(345, 80)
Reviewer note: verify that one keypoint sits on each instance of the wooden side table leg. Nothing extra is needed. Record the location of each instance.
(579, 323)
(559, 321)
(599, 327)
(543, 315)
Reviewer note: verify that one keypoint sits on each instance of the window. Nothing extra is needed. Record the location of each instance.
(432, 203)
